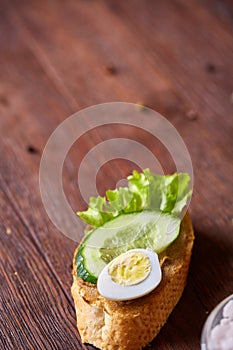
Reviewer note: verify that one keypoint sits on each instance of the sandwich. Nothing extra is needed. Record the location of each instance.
(131, 267)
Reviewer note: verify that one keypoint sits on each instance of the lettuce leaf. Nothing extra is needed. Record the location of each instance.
(167, 193)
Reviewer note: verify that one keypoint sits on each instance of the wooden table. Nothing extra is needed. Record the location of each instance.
(58, 57)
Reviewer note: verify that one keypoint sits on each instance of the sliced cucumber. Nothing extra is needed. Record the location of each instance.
(147, 229)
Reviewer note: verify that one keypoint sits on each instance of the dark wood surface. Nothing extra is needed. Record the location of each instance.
(60, 56)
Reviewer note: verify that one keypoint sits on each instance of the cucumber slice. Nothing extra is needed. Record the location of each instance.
(146, 229)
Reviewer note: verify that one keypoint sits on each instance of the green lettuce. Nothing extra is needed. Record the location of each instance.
(167, 193)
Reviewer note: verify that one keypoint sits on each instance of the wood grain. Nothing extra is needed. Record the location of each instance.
(56, 57)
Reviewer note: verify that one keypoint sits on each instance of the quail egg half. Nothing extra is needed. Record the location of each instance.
(130, 275)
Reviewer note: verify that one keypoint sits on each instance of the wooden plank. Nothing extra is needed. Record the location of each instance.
(34, 302)
(108, 49)
(177, 108)
(201, 127)
(223, 11)
(35, 311)
(180, 47)
(48, 71)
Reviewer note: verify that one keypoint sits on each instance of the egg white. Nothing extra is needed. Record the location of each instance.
(114, 291)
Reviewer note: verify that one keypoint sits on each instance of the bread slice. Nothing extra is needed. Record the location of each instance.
(131, 325)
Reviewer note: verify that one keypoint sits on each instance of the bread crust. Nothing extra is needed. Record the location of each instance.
(131, 325)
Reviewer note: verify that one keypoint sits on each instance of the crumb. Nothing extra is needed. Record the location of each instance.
(191, 115)
(8, 231)
(16, 273)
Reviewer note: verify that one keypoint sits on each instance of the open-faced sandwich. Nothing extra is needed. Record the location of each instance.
(131, 267)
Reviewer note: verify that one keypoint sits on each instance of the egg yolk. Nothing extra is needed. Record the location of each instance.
(129, 268)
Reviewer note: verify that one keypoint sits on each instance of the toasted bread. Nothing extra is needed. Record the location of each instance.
(131, 325)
